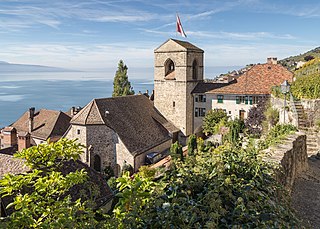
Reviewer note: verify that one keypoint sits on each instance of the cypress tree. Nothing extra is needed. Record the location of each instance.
(121, 84)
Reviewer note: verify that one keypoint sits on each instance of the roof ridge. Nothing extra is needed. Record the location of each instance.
(81, 111)
(99, 112)
(54, 125)
(92, 102)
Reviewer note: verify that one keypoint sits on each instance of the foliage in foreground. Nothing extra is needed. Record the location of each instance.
(40, 196)
(226, 187)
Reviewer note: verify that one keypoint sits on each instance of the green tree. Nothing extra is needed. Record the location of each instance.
(212, 119)
(41, 197)
(192, 144)
(176, 149)
(121, 84)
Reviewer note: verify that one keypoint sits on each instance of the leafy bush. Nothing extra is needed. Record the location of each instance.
(235, 128)
(306, 87)
(308, 58)
(41, 197)
(276, 134)
(212, 119)
(192, 144)
(226, 187)
(176, 150)
(127, 168)
(255, 118)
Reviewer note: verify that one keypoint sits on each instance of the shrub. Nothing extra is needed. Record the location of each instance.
(212, 119)
(255, 118)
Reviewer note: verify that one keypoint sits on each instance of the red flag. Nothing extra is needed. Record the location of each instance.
(179, 27)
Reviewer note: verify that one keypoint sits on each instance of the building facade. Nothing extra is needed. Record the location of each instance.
(118, 131)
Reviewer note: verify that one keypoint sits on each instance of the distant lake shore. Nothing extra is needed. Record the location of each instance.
(16, 97)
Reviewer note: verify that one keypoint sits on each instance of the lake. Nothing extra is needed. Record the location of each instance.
(19, 92)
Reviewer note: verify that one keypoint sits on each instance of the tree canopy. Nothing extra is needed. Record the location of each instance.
(41, 197)
(121, 84)
(212, 119)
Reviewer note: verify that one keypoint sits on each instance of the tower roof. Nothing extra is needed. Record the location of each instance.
(173, 45)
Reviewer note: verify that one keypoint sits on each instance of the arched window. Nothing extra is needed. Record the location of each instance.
(169, 67)
(97, 163)
(194, 70)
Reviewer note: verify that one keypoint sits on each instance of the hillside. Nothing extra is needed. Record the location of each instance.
(291, 62)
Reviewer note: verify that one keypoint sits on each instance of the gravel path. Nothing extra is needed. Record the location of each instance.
(306, 194)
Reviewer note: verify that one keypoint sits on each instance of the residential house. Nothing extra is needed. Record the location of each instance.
(32, 128)
(237, 96)
(120, 130)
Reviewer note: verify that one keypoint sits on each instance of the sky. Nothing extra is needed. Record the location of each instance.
(96, 34)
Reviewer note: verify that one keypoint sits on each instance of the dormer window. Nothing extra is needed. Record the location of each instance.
(194, 70)
(169, 69)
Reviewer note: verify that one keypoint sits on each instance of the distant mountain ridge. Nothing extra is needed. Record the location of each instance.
(291, 62)
(9, 67)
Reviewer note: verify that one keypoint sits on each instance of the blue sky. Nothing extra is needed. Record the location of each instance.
(95, 34)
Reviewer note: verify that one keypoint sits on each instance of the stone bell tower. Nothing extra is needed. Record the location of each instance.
(178, 69)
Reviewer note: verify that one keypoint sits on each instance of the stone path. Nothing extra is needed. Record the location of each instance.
(306, 194)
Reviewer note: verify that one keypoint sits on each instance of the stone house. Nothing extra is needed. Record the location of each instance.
(120, 130)
(32, 128)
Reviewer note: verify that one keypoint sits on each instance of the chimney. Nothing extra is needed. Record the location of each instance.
(272, 60)
(23, 141)
(9, 137)
(31, 116)
(152, 96)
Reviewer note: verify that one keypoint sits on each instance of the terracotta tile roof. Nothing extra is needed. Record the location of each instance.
(258, 80)
(47, 124)
(139, 125)
(203, 87)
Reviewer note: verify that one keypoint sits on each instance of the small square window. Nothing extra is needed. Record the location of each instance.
(220, 98)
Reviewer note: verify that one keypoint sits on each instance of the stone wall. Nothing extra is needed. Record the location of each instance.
(123, 155)
(80, 133)
(292, 157)
(103, 141)
(312, 109)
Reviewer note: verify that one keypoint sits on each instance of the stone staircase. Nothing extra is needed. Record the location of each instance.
(312, 140)
(302, 117)
(305, 126)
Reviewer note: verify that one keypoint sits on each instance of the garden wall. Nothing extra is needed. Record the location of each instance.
(292, 157)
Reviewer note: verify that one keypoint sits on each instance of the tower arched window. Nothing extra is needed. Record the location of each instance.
(194, 70)
(97, 163)
(169, 69)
